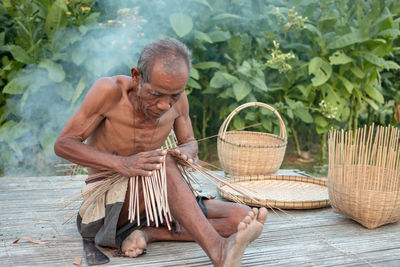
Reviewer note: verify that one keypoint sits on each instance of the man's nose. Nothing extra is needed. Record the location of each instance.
(164, 104)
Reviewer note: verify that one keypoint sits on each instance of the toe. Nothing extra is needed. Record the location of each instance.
(262, 215)
(241, 226)
(255, 210)
(251, 214)
(130, 254)
(141, 243)
(247, 219)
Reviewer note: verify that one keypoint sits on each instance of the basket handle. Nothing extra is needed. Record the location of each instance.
(224, 126)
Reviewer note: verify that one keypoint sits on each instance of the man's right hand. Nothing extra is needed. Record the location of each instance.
(140, 164)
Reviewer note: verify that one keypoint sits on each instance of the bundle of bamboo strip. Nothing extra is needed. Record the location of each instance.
(364, 176)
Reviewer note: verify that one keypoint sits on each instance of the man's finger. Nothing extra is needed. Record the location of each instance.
(151, 167)
(155, 159)
(143, 173)
(153, 153)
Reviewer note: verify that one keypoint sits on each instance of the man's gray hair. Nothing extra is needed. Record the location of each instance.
(170, 51)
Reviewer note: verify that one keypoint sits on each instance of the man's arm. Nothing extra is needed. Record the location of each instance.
(101, 98)
(184, 132)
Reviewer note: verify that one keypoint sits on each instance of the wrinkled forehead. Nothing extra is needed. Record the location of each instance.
(175, 68)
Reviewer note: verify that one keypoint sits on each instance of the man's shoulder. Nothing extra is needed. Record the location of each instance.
(111, 87)
(182, 106)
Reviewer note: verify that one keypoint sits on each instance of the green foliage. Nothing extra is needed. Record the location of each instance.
(52, 51)
(321, 64)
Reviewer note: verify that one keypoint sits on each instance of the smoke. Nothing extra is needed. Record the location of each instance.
(54, 88)
(79, 56)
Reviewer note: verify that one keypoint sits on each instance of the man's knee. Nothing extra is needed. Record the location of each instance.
(170, 160)
(238, 213)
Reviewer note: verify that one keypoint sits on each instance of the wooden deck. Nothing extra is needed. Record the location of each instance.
(29, 209)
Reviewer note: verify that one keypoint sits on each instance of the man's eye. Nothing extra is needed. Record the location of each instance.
(155, 93)
(176, 95)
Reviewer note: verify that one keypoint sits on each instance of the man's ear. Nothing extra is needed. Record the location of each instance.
(135, 76)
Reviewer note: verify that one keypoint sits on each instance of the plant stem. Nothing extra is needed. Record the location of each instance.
(295, 138)
(323, 147)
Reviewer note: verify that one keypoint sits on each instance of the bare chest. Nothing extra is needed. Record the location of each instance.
(122, 134)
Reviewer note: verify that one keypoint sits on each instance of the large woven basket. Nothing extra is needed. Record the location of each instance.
(251, 153)
(364, 176)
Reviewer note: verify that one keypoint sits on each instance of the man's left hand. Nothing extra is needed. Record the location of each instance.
(183, 155)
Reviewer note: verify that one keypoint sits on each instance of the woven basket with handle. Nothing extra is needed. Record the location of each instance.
(251, 153)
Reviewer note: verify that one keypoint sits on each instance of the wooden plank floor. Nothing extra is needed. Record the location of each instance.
(29, 208)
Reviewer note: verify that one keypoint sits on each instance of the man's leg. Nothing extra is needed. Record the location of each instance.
(223, 216)
(184, 208)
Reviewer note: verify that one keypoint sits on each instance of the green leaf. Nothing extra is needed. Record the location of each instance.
(390, 32)
(241, 90)
(2, 38)
(347, 84)
(6, 129)
(204, 2)
(357, 72)
(230, 78)
(312, 29)
(219, 36)
(56, 18)
(202, 36)
(193, 84)
(15, 86)
(259, 83)
(391, 65)
(65, 91)
(266, 124)
(79, 56)
(302, 89)
(321, 69)
(374, 59)
(348, 39)
(47, 139)
(238, 123)
(55, 71)
(79, 90)
(321, 122)
(374, 93)
(289, 112)
(321, 130)
(207, 65)
(20, 54)
(181, 23)
(245, 69)
(251, 116)
(303, 115)
(226, 16)
(194, 73)
(371, 103)
(339, 57)
(218, 80)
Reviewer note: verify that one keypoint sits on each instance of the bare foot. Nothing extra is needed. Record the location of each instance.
(134, 244)
(248, 230)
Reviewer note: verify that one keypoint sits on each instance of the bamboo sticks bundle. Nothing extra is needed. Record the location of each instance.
(364, 175)
(155, 198)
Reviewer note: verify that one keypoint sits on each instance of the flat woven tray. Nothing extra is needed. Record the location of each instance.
(280, 191)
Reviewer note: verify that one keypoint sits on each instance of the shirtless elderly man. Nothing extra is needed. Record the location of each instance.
(125, 121)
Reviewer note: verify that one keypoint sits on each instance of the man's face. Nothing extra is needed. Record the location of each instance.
(163, 90)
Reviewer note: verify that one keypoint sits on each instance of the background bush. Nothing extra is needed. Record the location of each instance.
(322, 64)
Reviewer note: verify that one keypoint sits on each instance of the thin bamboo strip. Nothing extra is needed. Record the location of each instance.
(146, 202)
